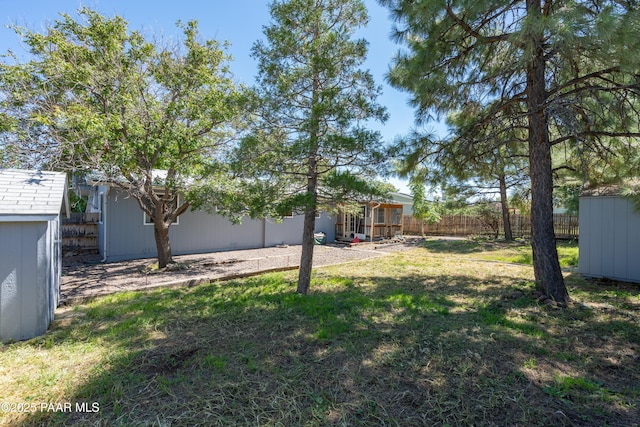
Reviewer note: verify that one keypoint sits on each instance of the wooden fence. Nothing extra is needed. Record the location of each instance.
(565, 226)
(80, 232)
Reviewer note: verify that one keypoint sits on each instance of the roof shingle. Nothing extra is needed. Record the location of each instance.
(27, 192)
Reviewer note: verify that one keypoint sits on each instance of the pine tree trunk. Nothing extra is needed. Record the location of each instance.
(546, 266)
(308, 230)
(508, 235)
(308, 242)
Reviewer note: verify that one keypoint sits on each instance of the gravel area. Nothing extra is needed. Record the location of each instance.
(83, 279)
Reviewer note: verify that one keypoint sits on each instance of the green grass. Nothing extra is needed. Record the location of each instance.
(518, 252)
(415, 339)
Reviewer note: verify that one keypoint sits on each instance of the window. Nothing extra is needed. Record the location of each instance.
(290, 214)
(176, 203)
(380, 214)
(396, 216)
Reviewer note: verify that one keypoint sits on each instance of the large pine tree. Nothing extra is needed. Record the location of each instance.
(568, 69)
(315, 104)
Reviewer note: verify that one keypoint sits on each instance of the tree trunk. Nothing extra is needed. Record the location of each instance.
(508, 235)
(308, 242)
(161, 233)
(308, 229)
(546, 266)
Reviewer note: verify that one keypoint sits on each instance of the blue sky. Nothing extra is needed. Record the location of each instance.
(239, 22)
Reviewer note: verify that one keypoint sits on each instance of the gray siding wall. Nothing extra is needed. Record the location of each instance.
(199, 231)
(289, 231)
(54, 259)
(196, 231)
(609, 244)
(26, 305)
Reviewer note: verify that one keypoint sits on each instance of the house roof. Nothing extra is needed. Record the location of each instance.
(158, 177)
(28, 192)
(402, 198)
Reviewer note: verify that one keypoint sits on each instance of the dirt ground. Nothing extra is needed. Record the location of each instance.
(86, 278)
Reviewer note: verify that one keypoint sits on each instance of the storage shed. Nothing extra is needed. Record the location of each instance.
(609, 245)
(30, 250)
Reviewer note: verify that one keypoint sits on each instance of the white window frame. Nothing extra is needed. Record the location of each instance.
(384, 215)
(318, 215)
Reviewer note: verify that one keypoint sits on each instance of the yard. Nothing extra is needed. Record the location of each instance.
(449, 334)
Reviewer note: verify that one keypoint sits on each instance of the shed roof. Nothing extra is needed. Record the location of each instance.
(610, 190)
(603, 190)
(28, 192)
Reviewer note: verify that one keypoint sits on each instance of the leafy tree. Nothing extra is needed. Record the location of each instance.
(423, 209)
(311, 143)
(485, 210)
(7, 126)
(565, 69)
(99, 98)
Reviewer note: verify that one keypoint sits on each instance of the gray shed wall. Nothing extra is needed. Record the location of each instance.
(28, 270)
(609, 244)
(196, 231)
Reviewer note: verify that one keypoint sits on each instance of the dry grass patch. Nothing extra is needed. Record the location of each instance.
(414, 338)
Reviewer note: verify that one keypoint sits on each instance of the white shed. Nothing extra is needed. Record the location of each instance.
(609, 244)
(30, 250)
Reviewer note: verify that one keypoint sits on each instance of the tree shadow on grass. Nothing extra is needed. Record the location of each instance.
(410, 350)
(468, 246)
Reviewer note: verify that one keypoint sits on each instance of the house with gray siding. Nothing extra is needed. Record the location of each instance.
(30, 248)
(609, 244)
(124, 233)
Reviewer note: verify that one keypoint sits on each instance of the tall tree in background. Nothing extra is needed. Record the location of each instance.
(469, 165)
(316, 101)
(538, 60)
(489, 159)
(99, 98)
(423, 209)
